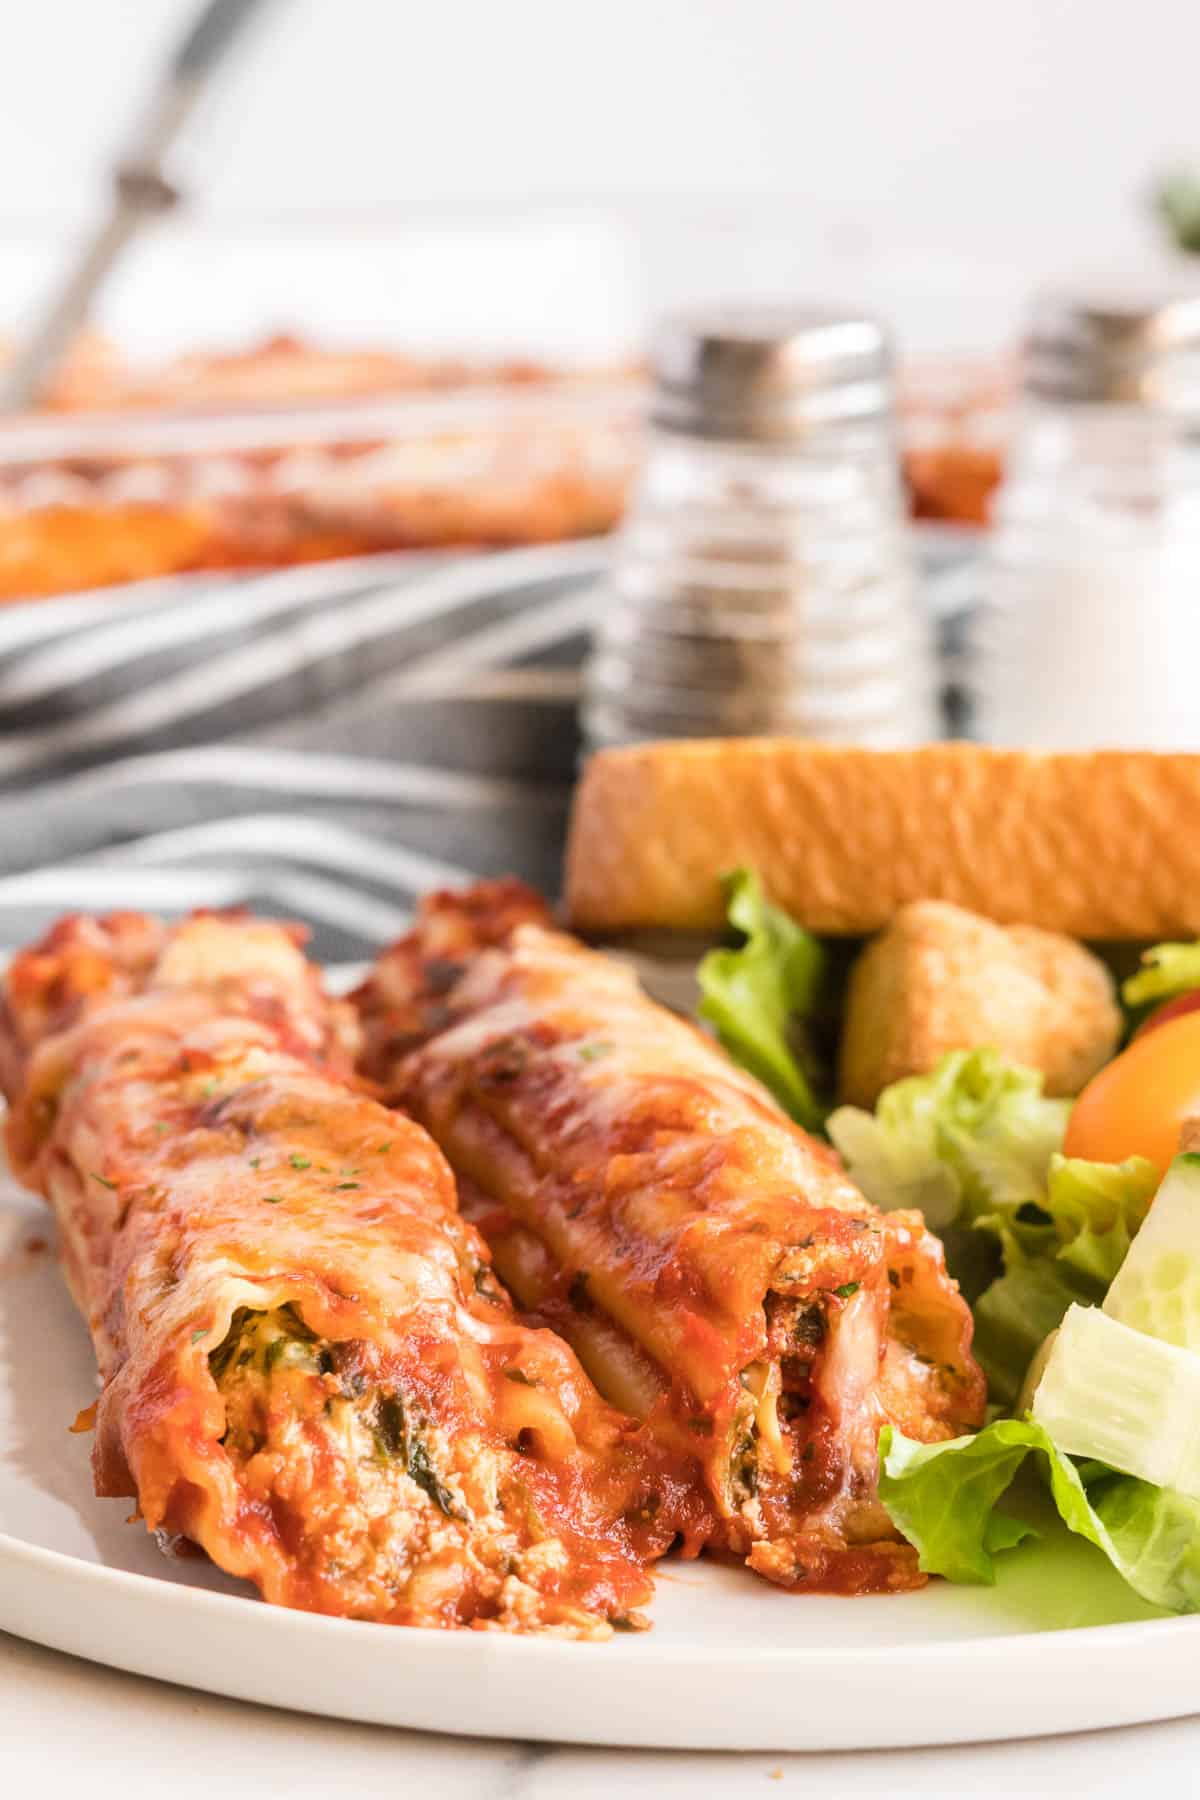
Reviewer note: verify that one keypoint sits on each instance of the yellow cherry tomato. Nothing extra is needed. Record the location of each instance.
(1136, 1105)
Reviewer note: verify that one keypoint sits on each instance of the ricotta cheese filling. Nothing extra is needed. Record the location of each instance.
(368, 1495)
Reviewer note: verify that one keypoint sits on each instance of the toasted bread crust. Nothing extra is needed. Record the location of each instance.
(1100, 845)
(940, 979)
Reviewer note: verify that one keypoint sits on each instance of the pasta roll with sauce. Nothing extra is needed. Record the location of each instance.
(712, 1264)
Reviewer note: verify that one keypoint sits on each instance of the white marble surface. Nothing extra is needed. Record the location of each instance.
(71, 1727)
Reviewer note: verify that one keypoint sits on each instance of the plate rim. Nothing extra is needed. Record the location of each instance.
(681, 1696)
(81, 1568)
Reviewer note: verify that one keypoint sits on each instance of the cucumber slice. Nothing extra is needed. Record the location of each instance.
(1157, 1288)
(1114, 1394)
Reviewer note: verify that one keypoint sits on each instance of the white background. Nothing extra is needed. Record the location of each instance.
(488, 167)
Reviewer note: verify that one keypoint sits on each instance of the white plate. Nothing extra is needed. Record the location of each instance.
(1058, 1645)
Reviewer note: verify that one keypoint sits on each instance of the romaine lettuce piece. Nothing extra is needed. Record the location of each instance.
(1167, 970)
(1013, 1319)
(975, 1145)
(1113, 1394)
(1093, 1211)
(758, 995)
(1097, 1210)
(1153, 1539)
(1158, 1287)
(943, 1499)
(971, 1139)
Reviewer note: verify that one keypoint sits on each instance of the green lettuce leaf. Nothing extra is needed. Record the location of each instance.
(972, 1139)
(1091, 1212)
(1154, 1539)
(758, 995)
(1167, 970)
(943, 1499)
(1096, 1209)
(1013, 1319)
(975, 1145)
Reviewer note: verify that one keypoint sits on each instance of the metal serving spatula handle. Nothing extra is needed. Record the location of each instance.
(141, 190)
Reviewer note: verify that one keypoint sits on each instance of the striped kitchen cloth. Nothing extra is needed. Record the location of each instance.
(361, 655)
(326, 742)
(321, 742)
(344, 843)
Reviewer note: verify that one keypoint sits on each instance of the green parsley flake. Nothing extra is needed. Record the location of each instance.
(593, 1051)
(338, 1186)
(299, 1162)
(382, 1149)
(104, 1181)
(197, 1335)
(272, 1199)
(847, 1288)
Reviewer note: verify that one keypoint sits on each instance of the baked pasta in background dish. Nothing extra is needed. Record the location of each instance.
(508, 471)
(307, 1365)
(955, 419)
(717, 1272)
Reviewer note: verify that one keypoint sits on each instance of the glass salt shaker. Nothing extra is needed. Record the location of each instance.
(763, 582)
(1088, 636)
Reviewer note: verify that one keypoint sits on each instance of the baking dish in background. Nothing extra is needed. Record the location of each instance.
(291, 454)
(374, 311)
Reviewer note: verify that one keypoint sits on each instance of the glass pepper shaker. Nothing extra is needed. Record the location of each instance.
(1089, 632)
(763, 582)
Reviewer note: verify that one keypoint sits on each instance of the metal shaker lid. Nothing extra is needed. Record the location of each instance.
(1116, 349)
(769, 374)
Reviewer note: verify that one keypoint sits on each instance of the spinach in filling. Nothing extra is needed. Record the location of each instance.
(272, 1355)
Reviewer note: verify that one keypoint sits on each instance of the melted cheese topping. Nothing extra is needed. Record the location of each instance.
(674, 1203)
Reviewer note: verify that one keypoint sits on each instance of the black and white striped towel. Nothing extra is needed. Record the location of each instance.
(327, 742)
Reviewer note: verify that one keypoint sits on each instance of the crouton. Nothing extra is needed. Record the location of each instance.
(940, 978)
